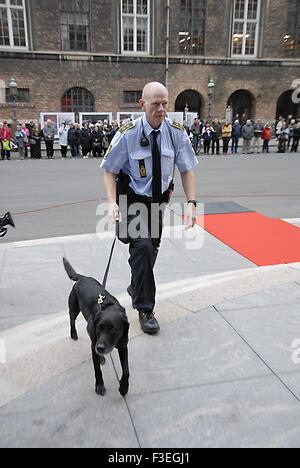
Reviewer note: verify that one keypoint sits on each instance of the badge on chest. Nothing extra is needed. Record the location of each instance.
(143, 172)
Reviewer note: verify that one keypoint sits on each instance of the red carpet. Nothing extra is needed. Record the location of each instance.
(261, 240)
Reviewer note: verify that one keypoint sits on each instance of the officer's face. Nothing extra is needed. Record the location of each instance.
(155, 106)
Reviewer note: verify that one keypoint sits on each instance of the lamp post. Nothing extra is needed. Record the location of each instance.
(14, 93)
(210, 93)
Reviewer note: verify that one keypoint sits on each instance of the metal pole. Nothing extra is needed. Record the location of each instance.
(209, 107)
(15, 108)
(167, 45)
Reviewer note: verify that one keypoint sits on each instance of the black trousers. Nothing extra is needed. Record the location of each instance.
(217, 143)
(63, 150)
(49, 148)
(142, 230)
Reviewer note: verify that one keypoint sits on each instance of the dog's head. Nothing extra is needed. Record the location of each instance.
(108, 329)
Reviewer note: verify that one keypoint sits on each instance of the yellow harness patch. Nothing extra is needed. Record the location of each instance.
(101, 299)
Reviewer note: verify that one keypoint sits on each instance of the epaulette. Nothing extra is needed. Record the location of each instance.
(126, 127)
(178, 125)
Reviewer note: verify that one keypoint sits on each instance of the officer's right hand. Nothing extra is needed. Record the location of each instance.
(114, 213)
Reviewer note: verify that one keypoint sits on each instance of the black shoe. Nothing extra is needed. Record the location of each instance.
(129, 290)
(148, 322)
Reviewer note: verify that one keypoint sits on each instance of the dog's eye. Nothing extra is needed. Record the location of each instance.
(112, 329)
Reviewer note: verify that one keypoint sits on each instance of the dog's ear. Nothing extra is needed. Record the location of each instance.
(91, 329)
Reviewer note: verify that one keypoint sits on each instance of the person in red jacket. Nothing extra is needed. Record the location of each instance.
(266, 136)
(5, 137)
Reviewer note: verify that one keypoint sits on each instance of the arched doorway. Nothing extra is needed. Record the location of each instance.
(191, 99)
(242, 102)
(286, 106)
(77, 100)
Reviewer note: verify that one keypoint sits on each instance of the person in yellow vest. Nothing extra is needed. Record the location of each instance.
(226, 136)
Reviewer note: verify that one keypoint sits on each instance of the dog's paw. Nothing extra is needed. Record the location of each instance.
(74, 336)
(123, 389)
(100, 389)
(102, 360)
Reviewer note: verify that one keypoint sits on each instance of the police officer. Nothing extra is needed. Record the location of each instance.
(144, 151)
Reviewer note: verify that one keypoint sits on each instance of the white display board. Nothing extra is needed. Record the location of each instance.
(57, 118)
(94, 117)
(128, 116)
(190, 117)
(178, 116)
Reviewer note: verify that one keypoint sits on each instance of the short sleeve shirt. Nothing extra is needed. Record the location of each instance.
(127, 154)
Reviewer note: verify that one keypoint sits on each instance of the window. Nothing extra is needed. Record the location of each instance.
(135, 25)
(245, 27)
(13, 28)
(291, 39)
(22, 96)
(77, 100)
(192, 27)
(132, 97)
(75, 24)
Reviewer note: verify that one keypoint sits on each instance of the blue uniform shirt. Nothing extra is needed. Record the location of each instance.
(126, 153)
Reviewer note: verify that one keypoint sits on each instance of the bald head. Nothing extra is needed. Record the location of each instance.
(154, 103)
(154, 88)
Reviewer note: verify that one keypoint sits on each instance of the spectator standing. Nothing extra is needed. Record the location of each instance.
(291, 126)
(226, 136)
(216, 136)
(30, 127)
(196, 130)
(247, 134)
(85, 140)
(5, 137)
(207, 134)
(296, 138)
(73, 139)
(105, 142)
(237, 118)
(258, 130)
(279, 124)
(243, 120)
(26, 130)
(96, 139)
(235, 135)
(283, 137)
(78, 133)
(186, 127)
(266, 136)
(63, 139)
(111, 133)
(49, 134)
(21, 140)
(35, 137)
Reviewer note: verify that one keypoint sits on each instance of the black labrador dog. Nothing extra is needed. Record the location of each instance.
(107, 324)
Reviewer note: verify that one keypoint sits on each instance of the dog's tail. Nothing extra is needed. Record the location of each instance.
(70, 271)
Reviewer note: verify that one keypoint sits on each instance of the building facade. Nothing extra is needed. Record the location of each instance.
(96, 55)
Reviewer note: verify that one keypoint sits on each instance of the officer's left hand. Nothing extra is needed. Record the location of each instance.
(190, 217)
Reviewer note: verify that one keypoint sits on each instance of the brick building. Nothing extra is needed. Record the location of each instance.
(96, 55)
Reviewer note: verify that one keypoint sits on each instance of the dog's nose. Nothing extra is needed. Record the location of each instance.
(100, 348)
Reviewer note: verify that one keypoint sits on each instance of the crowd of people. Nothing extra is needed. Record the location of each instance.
(86, 140)
(254, 135)
(93, 140)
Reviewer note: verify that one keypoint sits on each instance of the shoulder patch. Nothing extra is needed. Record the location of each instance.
(178, 125)
(126, 127)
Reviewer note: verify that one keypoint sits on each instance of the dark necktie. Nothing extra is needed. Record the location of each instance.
(156, 169)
